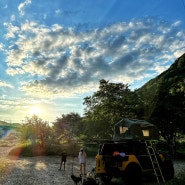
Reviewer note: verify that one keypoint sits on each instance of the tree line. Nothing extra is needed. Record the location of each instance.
(103, 109)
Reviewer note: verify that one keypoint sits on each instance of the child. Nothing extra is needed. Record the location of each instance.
(82, 160)
(63, 159)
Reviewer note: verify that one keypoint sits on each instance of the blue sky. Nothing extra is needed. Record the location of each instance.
(54, 52)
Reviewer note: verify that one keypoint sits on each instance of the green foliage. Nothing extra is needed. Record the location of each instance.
(27, 150)
(179, 180)
(108, 105)
(31, 150)
(164, 98)
(180, 149)
(68, 127)
(91, 150)
(37, 137)
(36, 131)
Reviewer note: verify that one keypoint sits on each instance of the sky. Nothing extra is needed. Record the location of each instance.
(53, 53)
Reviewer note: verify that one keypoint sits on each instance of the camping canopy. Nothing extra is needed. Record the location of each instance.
(135, 129)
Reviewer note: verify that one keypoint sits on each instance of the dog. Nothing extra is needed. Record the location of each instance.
(76, 179)
(90, 181)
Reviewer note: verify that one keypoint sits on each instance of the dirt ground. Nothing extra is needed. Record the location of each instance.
(44, 170)
(41, 170)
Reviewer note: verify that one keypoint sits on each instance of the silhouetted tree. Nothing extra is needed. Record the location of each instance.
(108, 105)
(67, 127)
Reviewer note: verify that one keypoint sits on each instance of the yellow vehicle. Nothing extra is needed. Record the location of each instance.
(132, 154)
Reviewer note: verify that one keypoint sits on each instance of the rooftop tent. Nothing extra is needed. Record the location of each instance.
(135, 129)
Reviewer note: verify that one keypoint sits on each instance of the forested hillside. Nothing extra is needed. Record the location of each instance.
(171, 84)
(164, 98)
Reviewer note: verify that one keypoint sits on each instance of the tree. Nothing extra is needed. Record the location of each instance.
(35, 130)
(164, 101)
(169, 114)
(67, 127)
(108, 105)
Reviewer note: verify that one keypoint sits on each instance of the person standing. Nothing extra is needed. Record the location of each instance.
(82, 160)
(63, 159)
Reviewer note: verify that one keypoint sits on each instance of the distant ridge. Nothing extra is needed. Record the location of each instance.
(3, 122)
(161, 88)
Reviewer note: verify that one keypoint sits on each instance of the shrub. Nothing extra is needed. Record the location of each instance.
(27, 150)
(30, 150)
(180, 154)
(179, 180)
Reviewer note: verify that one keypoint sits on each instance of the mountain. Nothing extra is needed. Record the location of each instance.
(164, 96)
(173, 76)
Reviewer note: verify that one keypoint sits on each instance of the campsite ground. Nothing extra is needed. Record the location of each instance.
(43, 170)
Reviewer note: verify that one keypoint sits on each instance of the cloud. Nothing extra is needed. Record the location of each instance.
(22, 6)
(1, 47)
(4, 84)
(14, 106)
(12, 30)
(63, 61)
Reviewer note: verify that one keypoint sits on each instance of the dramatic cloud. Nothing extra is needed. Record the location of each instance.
(53, 53)
(65, 61)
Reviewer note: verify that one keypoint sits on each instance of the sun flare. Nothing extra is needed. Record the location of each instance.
(35, 111)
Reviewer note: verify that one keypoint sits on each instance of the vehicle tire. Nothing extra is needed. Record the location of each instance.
(168, 169)
(133, 175)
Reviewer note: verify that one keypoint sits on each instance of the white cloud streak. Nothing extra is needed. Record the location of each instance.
(22, 6)
(5, 84)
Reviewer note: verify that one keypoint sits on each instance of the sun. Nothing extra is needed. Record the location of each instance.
(35, 111)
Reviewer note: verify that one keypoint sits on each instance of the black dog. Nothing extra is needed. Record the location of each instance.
(76, 179)
(90, 181)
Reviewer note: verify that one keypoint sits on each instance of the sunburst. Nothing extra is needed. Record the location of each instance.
(35, 111)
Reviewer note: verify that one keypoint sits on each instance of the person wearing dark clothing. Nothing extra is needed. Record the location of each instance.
(63, 159)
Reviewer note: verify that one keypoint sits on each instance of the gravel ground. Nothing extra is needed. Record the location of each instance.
(44, 170)
(41, 170)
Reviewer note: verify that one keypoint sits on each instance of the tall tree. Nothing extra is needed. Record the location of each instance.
(108, 105)
(36, 130)
(67, 127)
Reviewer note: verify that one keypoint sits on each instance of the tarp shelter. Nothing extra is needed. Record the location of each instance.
(135, 129)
